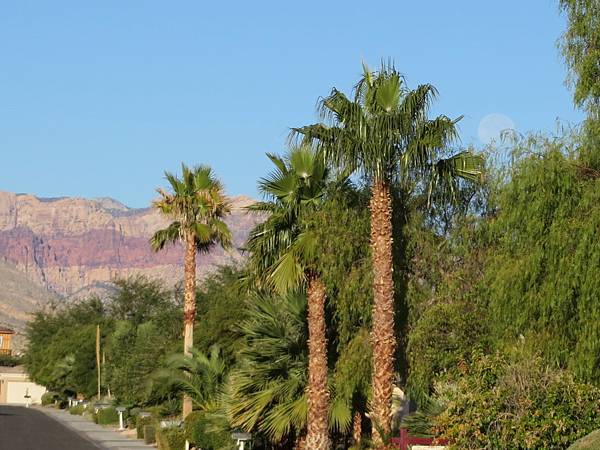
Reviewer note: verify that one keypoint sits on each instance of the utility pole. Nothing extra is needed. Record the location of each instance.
(98, 356)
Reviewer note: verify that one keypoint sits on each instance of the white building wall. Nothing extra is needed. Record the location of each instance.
(16, 390)
(15, 384)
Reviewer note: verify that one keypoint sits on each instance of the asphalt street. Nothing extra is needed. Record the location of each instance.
(27, 429)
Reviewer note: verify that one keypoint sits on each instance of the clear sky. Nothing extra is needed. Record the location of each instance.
(98, 98)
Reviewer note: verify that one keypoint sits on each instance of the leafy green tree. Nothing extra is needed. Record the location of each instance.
(580, 45)
(385, 133)
(119, 373)
(282, 256)
(541, 278)
(61, 345)
(139, 299)
(581, 48)
(221, 302)
(133, 353)
(196, 205)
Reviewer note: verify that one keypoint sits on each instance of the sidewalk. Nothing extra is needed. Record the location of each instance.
(104, 437)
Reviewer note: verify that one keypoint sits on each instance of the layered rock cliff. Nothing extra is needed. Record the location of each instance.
(72, 246)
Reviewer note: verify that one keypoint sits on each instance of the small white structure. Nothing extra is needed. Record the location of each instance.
(17, 389)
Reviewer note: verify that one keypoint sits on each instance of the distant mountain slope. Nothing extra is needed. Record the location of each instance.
(73, 245)
(19, 297)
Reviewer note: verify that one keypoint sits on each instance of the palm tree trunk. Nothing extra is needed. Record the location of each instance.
(382, 334)
(317, 433)
(189, 307)
(357, 428)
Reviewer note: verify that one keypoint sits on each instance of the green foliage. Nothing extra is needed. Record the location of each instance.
(133, 354)
(221, 304)
(107, 416)
(199, 375)
(149, 434)
(138, 299)
(266, 391)
(10, 360)
(170, 438)
(281, 249)
(515, 402)
(352, 378)
(385, 132)
(141, 422)
(581, 48)
(341, 227)
(61, 344)
(420, 423)
(443, 338)
(61, 353)
(197, 206)
(48, 398)
(542, 275)
(77, 410)
(207, 431)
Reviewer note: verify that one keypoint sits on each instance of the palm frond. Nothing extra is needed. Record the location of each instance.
(168, 235)
(445, 174)
(278, 255)
(196, 205)
(266, 393)
(385, 132)
(200, 375)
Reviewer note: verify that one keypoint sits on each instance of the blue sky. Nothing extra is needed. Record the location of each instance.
(99, 98)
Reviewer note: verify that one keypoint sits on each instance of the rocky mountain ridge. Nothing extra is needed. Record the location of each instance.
(72, 246)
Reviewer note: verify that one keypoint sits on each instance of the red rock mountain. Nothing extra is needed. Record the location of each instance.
(72, 246)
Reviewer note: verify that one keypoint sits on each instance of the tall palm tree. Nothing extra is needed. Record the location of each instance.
(384, 133)
(282, 252)
(196, 205)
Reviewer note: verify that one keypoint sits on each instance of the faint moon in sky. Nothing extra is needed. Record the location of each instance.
(492, 125)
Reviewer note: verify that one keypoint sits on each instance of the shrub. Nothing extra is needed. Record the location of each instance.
(445, 334)
(149, 434)
(194, 425)
(76, 410)
(130, 422)
(49, 398)
(206, 432)
(10, 360)
(130, 417)
(170, 438)
(140, 423)
(515, 402)
(107, 416)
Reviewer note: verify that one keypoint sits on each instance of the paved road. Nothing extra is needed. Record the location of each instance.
(28, 429)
